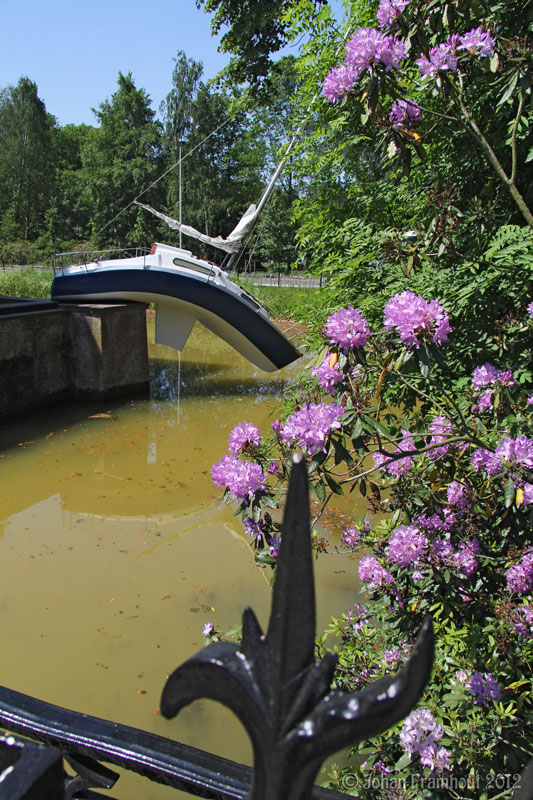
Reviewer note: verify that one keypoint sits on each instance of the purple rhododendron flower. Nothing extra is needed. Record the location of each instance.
(243, 435)
(485, 460)
(477, 42)
(465, 557)
(523, 621)
(369, 47)
(485, 402)
(366, 48)
(406, 545)
(404, 114)
(208, 629)
(275, 544)
(350, 536)
(484, 376)
(358, 617)
(415, 319)
(483, 686)
(519, 577)
(441, 550)
(311, 425)
(441, 520)
(440, 428)
(273, 468)
(457, 494)
(372, 573)
(338, 82)
(506, 378)
(347, 328)
(388, 10)
(516, 452)
(530, 309)
(441, 57)
(420, 734)
(277, 426)
(328, 377)
(400, 466)
(242, 478)
(253, 528)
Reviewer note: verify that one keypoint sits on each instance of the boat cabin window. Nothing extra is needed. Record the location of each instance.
(195, 267)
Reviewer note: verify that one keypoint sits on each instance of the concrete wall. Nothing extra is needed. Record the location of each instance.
(50, 353)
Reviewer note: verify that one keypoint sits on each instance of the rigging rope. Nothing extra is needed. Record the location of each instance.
(132, 202)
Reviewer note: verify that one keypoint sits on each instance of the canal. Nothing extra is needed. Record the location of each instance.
(115, 549)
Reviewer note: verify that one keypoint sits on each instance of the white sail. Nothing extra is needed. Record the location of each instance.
(230, 245)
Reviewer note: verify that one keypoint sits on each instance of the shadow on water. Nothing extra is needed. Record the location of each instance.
(171, 381)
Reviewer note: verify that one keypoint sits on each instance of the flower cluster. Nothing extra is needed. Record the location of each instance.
(477, 42)
(367, 47)
(388, 11)
(440, 428)
(443, 57)
(415, 319)
(253, 528)
(519, 577)
(490, 376)
(509, 453)
(350, 537)
(523, 621)
(419, 735)
(244, 436)
(484, 686)
(347, 328)
(400, 466)
(372, 573)
(328, 377)
(457, 494)
(309, 427)
(406, 545)
(464, 559)
(404, 114)
(242, 478)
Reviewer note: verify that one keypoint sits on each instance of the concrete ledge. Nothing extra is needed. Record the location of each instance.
(53, 352)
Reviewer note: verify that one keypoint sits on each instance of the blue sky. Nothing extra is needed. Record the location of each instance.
(74, 49)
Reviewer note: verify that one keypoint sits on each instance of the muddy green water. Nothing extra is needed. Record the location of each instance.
(115, 549)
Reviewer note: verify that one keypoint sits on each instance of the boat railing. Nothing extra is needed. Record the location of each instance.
(81, 258)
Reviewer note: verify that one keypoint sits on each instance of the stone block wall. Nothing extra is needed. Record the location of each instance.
(51, 353)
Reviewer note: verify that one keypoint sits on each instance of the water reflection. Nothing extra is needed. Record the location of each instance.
(115, 549)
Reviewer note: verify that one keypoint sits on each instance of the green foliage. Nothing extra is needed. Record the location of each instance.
(287, 303)
(449, 481)
(25, 283)
(25, 161)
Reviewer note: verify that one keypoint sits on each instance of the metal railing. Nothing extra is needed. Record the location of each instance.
(84, 257)
(270, 681)
(296, 280)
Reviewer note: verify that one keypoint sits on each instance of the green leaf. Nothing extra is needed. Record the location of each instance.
(376, 424)
(320, 490)
(403, 762)
(509, 493)
(333, 484)
(509, 89)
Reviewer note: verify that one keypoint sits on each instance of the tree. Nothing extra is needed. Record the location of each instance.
(120, 158)
(256, 31)
(26, 162)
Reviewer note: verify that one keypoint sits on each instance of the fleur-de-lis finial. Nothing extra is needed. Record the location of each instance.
(275, 687)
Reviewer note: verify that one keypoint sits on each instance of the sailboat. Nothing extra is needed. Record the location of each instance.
(185, 289)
